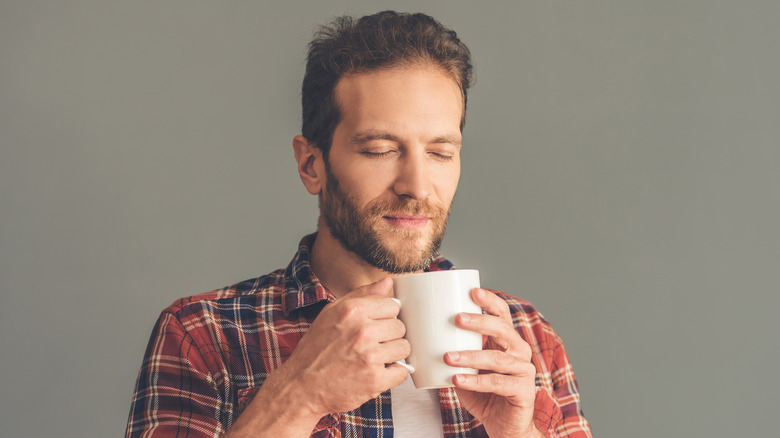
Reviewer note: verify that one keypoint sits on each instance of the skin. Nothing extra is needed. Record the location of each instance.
(399, 137)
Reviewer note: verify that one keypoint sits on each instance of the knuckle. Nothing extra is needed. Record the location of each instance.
(501, 359)
(495, 380)
(406, 347)
(348, 310)
(525, 351)
(529, 369)
(364, 335)
(399, 328)
(371, 357)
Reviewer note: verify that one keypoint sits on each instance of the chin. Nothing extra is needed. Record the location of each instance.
(409, 241)
(411, 253)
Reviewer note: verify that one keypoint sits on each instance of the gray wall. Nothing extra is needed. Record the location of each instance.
(620, 171)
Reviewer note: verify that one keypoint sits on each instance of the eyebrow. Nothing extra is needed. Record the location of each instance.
(368, 136)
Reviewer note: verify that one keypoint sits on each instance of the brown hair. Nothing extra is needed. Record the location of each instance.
(385, 39)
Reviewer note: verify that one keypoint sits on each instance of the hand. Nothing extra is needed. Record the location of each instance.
(339, 364)
(342, 360)
(502, 395)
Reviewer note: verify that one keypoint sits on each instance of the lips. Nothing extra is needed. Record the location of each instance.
(409, 222)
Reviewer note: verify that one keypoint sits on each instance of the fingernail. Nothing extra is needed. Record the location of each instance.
(462, 378)
(454, 356)
(465, 317)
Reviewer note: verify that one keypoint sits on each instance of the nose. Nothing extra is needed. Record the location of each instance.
(413, 178)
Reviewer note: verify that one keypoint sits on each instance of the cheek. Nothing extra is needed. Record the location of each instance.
(366, 187)
(447, 185)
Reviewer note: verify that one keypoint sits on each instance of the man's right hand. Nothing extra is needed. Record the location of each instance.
(341, 361)
(339, 364)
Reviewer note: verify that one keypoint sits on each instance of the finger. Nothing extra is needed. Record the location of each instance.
(397, 374)
(507, 339)
(383, 287)
(373, 300)
(385, 308)
(380, 302)
(520, 384)
(393, 351)
(500, 333)
(389, 329)
(374, 307)
(486, 360)
(376, 332)
(492, 303)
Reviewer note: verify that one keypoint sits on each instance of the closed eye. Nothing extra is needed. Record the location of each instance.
(442, 156)
(376, 154)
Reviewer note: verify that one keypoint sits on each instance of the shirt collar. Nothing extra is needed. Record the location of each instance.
(302, 288)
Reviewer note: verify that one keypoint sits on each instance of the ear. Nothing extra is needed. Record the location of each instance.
(311, 166)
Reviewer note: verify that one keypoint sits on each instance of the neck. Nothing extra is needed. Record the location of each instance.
(338, 269)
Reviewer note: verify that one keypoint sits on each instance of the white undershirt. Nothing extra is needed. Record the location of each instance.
(416, 412)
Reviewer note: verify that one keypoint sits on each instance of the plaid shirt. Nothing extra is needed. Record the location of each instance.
(209, 354)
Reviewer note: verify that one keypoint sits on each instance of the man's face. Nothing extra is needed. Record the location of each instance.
(394, 165)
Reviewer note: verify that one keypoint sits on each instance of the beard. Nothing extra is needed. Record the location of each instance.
(358, 229)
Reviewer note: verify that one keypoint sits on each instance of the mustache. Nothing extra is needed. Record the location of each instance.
(405, 206)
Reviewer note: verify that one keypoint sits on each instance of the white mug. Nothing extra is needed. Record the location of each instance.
(429, 302)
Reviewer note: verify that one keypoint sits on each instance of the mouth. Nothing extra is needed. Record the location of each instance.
(408, 222)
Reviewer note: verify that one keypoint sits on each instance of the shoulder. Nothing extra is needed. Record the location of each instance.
(220, 321)
(259, 291)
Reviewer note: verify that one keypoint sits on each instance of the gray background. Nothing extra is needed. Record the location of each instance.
(620, 171)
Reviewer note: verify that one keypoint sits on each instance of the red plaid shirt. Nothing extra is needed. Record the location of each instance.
(209, 354)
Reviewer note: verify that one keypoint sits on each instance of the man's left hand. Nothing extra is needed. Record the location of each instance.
(502, 395)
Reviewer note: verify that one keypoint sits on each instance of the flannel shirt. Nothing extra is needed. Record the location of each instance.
(210, 353)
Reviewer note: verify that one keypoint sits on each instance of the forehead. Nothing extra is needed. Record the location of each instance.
(401, 97)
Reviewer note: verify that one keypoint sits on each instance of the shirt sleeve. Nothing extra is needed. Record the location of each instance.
(566, 392)
(176, 393)
(557, 409)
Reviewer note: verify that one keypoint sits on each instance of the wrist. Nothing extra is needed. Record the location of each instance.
(535, 432)
(281, 407)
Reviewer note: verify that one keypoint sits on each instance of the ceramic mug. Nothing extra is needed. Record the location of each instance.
(429, 302)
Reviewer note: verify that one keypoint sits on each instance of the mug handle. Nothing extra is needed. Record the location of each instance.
(408, 367)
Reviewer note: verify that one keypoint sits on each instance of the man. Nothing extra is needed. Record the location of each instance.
(309, 350)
